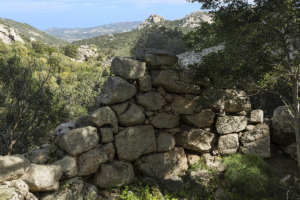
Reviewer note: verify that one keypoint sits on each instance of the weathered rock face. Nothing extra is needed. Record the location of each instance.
(89, 162)
(172, 184)
(115, 174)
(195, 139)
(198, 179)
(231, 124)
(202, 119)
(72, 191)
(291, 149)
(257, 141)
(13, 167)
(85, 51)
(151, 100)
(165, 142)
(106, 134)
(154, 61)
(164, 120)
(135, 141)
(231, 101)
(214, 163)
(173, 81)
(8, 35)
(109, 150)
(193, 159)
(104, 116)
(120, 108)
(283, 131)
(228, 144)
(163, 165)
(78, 140)
(150, 20)
(116, 90)
(42, 177)
(132, 116)
(83, 122)
(68, 166)
(257, 117)
(182, 105)
(127, 68)
(145, 83)
(38, 156)
(63, 128)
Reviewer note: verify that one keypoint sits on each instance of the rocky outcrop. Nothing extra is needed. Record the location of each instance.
(193, 20)
(84, 52)
(9, 35)
(150, 20)
(128, 68)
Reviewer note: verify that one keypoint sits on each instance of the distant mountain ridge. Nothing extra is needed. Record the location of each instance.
(73, 34)
(30, 31)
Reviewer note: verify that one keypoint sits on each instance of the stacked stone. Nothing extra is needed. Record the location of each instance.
(147, 118)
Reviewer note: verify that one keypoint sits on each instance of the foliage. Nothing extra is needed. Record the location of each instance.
(251, 175)
(163, 38)
(71, 51)
(21, 50)
(38, 47)
(4, 48)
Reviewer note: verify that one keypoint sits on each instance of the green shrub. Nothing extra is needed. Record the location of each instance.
(251, 175)
(71, 51)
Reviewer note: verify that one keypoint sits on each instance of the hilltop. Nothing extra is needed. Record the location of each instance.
(73, 34)
(30, 31)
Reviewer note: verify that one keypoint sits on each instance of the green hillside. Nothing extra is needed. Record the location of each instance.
(30, 31)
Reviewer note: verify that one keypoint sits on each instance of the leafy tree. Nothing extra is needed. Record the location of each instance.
(21, 50)
(50, 50)
(261, 49)
(71, 51)
(160, 38)
(4, 48)
(38, 47)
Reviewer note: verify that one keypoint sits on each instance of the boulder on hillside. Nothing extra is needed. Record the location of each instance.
(89, 162)
(150, 20)
(257, 141)
(132, 116)
(68, 189)
(202, 119)
(195, 139)
(163, 165)
(41, 178)
(283, 130)
(78, 140)
(68, 166)
(177, 82)
(231, 124)
(127, 68)
(164, 120)
(116, 90)
(151, 100)
(228, 144)
(132, 142)
(114, 174)
(13, 167)
(104, 116)
(231, 101)
(84, 52)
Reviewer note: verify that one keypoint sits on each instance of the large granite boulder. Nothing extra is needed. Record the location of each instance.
(68, 189)
(114, 174)
(68, 166)
(173, 81)
(163, 165)
(89, 162)
(155, 58)
(132, 116)
(132, 142)
(127, 68)
(151, 100)
(257, 141)
(78, 140)
(42, 177)
(165, 142)
(104, 116)
(202, 119)
(195, 139)
(183, 105)
(283, 130)
(145, 83)
(86, 51)
(231, 101)
(231, 124)
(116, 90)
(13, 167)
(164, 120)
(228, 144)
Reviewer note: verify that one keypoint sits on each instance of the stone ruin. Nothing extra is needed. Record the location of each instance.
(148, 121)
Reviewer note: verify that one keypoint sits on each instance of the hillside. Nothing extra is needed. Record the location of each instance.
(30, 31)
(121, 43)
(73, 34)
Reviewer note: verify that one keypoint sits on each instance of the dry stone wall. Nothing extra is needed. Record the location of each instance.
(148, 118)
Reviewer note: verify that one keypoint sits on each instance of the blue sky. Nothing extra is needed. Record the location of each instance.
(44, 14)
